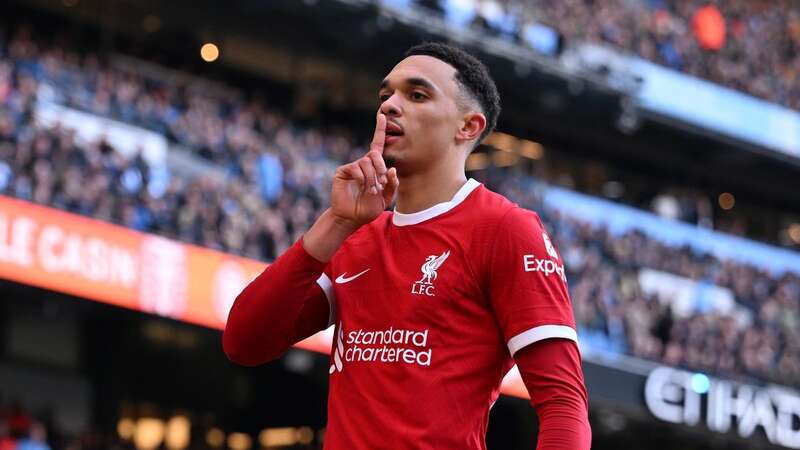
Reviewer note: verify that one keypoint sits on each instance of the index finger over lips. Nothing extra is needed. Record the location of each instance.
(379, 137)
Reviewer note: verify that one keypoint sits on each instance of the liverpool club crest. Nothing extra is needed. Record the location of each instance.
(425, 284)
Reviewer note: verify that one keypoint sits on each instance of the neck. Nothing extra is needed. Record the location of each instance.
(420, 191)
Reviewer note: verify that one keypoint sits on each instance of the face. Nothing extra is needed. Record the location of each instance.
(420, 98)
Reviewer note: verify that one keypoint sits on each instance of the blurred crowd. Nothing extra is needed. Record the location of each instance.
(251, 214)
(19, 430)
(23, 429)
(614, 312)
(748, 45)
(240, 214)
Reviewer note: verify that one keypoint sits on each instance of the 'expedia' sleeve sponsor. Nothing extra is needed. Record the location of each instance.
(527, 283)
(285, 304)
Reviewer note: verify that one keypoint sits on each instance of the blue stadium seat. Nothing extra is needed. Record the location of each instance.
(398, 4)
(459, 12)
(541, 38)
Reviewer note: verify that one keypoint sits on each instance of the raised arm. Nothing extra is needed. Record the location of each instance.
(285, 303)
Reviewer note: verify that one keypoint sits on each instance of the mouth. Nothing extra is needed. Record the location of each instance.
(394, 133)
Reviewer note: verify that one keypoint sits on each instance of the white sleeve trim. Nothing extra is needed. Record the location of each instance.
(327, 287)
(539, 333)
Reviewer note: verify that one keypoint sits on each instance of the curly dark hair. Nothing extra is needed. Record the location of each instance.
(471, 75)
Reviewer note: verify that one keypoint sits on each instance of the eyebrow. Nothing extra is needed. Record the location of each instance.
(414, 81)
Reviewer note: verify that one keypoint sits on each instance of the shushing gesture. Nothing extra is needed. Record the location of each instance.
(363, 189)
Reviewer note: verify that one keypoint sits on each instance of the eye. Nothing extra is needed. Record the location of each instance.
(383, 97)
(418, 96)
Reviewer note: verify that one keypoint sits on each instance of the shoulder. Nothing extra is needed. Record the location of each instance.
(485, 208)
(511, 225)
(489, 201)
(520, 220)
(504, 215)
(521, 231)
(501, 230)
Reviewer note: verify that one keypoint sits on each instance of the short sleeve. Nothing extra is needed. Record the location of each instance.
(527, 283)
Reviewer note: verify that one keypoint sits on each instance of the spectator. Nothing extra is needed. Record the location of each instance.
(277, 177)
(747, 45)
(37, 439)
(18, 421)
(7, 442)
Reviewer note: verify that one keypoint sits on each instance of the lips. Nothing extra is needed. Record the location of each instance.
(393, 129)
(393, 133)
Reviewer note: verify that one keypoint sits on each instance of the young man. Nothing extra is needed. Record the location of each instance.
(433, 302)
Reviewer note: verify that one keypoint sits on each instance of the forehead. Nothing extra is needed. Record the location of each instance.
(440, 74)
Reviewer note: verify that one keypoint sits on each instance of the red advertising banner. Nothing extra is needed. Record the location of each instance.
(87, 258)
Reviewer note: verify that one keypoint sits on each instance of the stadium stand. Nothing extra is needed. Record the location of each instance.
(222, 124)
(723, 42)
(738, 320)
(618, 307)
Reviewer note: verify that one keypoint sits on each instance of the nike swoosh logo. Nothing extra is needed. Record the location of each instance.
(341, 279)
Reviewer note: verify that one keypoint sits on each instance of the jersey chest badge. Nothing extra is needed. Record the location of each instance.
(429, 269)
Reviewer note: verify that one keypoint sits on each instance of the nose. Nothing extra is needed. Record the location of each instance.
(391, 106)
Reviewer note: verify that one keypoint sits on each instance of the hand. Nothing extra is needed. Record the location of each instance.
(364, 188)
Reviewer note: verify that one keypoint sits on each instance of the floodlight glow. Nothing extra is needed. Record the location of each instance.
(209, 52)
(700, 383)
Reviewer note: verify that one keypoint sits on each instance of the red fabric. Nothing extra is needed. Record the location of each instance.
(19, 422)
(527, 282)
(551, 370)
(446, 288)
(426, 306)
(709, 27)
(280, 307)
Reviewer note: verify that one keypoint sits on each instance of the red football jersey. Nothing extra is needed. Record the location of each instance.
(429, 309)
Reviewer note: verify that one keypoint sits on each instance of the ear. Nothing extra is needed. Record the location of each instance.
(472, 125)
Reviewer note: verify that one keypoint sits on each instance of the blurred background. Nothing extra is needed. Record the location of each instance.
(155, 155)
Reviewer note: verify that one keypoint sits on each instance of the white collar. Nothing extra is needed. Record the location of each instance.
(401, 219)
